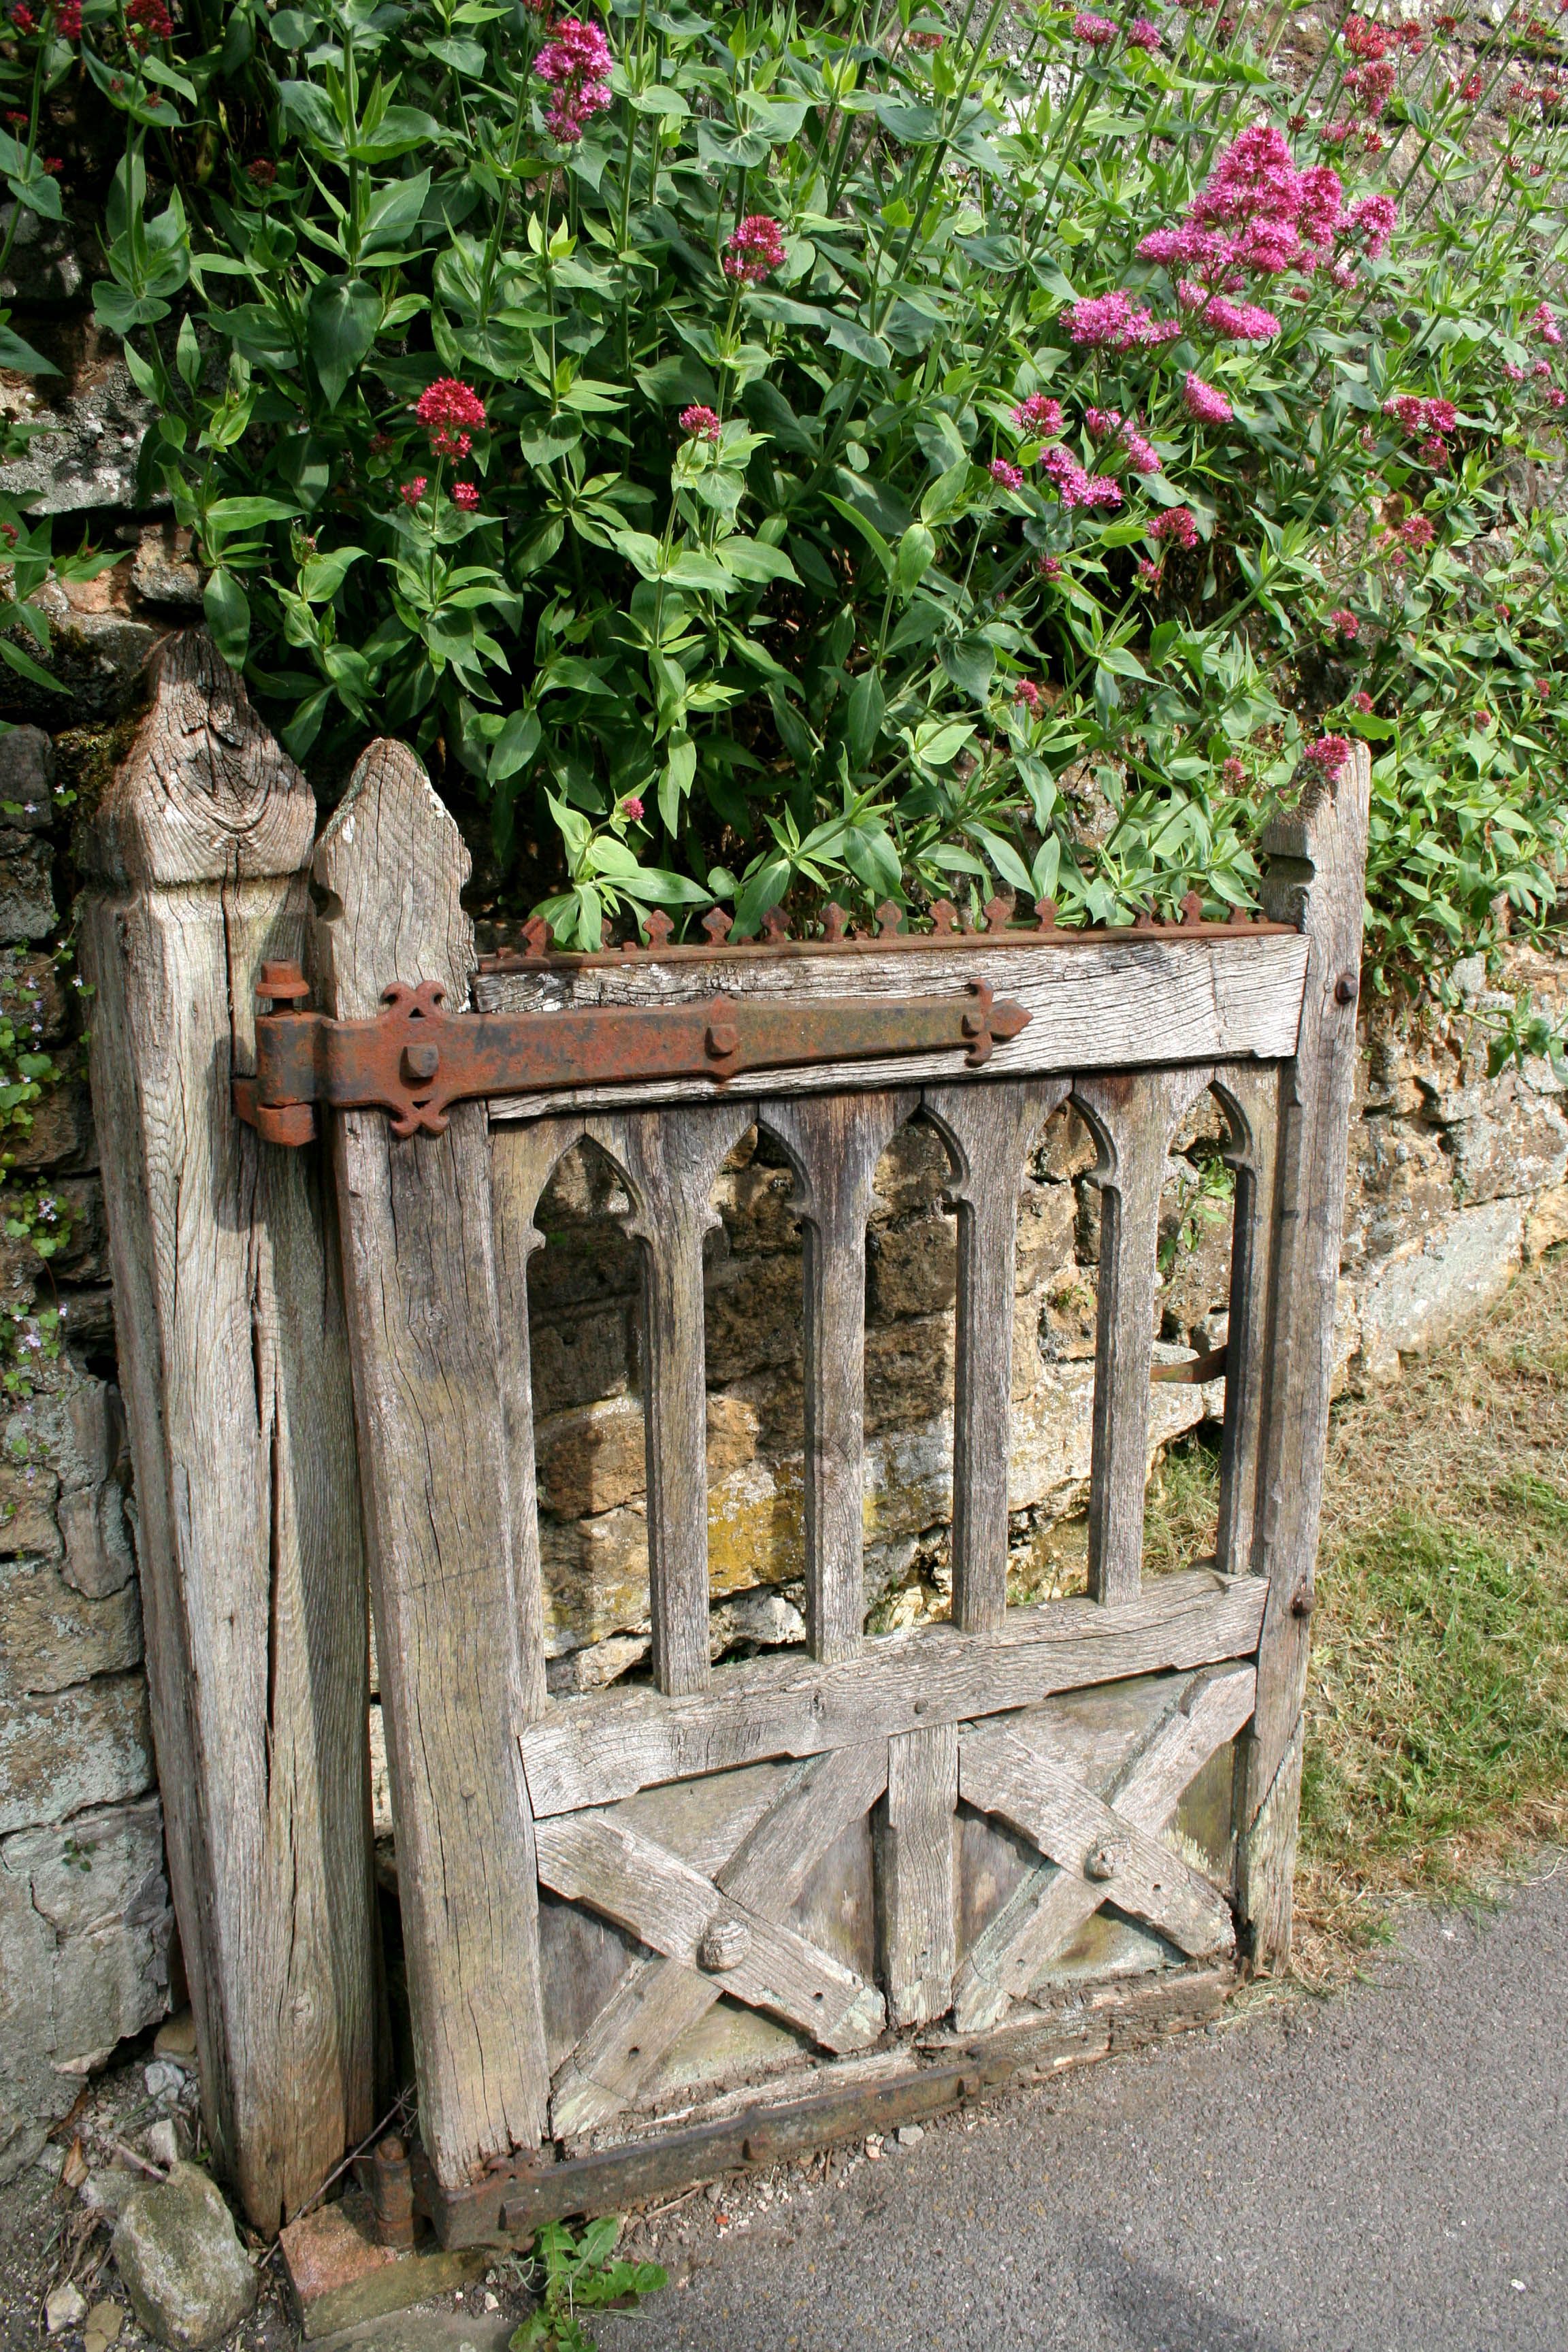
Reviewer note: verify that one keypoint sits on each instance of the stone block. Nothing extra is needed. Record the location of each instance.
(26, 886)
(1414, 1303)
(754, 1204)
(339, 2278)
(911, 1266)
(27, 1495)
(1047, 1216)
(1399, 1187)
(1505, 1140)
(87, 456)
(180, 2263)
(44, 267)
(85, 1256)
(590, 1459)
(51, 1636)
(1197, 1281)
(908, 1372)
(912, 1173)
(62, 1132)
(163, 570)
(89, 1745)
(1067, 1326)
(581, 1355)
(1547, 1223)
(27, 779)
(85, 1930)
(753, 1317)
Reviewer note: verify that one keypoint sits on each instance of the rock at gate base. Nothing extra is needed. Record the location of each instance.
(183, 2265)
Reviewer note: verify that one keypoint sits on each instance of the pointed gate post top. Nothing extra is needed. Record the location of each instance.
(205, 793)
(394, 865)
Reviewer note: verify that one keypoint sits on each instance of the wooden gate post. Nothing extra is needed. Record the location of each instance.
(459, 1684)
(1317, 877)
(235, 1364)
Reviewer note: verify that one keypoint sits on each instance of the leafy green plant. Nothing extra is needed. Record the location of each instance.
(769, 455)
(581, 2274)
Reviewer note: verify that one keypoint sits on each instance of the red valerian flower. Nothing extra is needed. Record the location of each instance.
(1372, 218)
(1009, 477)
(22, 17)
(1177, 523)
(1346, 623)
(1027, 692)
(1362, 702)
(1038, 416)
(1205, 404)
(927, 41)
(575, 61)
(446, 443)
(466, 495)
(151, 19)
(412, 492)
(1545, 324)
(449, 402)
(1148, 575)
(67, 19)
(631, 808)
(1329, 752)
(755, 249)
(700, 423)
(1143, 34)
(1098, 31)
(1049, 567)
(1235, 772)
(262, 171)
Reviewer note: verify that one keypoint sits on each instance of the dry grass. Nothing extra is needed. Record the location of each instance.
(1437, 1705)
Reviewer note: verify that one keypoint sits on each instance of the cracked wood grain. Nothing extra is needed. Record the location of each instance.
(234, 1363)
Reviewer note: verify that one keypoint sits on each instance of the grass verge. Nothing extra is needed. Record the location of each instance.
(1437, 1701)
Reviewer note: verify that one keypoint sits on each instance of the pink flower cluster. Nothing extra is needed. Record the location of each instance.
(1110, 424)
(1049, 567)
(1143, 34)
(700, 423)
(1258, 215)
(1108, 322)
(1371, 87)
(466, 495)
(445, 408)
(1027, 692)
(1545, 324)
(1177, 524)
(1430, 421)
(1038, 416)
(1372, 218)
(1330, 753)
(575, 62)
(1345, 624)
(1098, 31)
(1205, 404)
(1074, 487)
(1008, 477)
(755, 250)
(67, 19)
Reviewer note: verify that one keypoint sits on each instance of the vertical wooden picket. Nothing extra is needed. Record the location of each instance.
(234, 1362)
(436, 1451)
(1316, 876)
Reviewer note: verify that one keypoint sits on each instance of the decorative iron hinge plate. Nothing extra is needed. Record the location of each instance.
(415, 1060)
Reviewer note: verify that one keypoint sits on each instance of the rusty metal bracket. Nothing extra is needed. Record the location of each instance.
(1193, 1372)
(414, 1059)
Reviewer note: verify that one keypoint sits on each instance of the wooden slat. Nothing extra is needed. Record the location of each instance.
(600, 1860)
(1250, 1093)
(1133, 1118)
(234, 1362)
(915, 1891)
(989, 1127)
(1053, 1902)
(1026, 1777)
(670, 1160)
(523, 1160)
(647, 2014)
(435, 1452)
(1094, 1004)
(835, 1142)
(1316, 875)
(593, 1751)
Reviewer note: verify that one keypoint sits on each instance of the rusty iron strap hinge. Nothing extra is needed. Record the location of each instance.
(415, 1060)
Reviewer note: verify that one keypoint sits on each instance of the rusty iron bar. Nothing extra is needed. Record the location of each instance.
(1196, 1370)
(839, 939)
(386, 2176)
(415, 1060)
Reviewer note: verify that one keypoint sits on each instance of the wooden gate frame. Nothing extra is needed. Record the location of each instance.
(489, 1780)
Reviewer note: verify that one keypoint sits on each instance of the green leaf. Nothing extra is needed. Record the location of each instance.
(866, 704)
(867, 532)
(748, 559)
(324, 576)
(395, 214)
(188, 352)
(227, 611)
(846, 335)
(970, 665)
(342, 319)
(917, 550)
(515, 746)
(16, 353)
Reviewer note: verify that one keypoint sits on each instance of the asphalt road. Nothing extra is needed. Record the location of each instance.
(1386, 2171)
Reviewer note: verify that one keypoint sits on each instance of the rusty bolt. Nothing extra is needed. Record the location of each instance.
(722, 1040)
(1347, 988)
(420, 1064)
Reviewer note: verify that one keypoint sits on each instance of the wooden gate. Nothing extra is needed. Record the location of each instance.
(884, 1846)
(885, 1872)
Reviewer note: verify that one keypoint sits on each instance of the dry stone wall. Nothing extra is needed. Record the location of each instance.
(1455, 1179)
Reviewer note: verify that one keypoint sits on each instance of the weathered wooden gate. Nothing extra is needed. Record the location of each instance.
(918, 1857)
(885, 1846)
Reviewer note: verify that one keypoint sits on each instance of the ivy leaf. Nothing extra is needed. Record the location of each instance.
(341, 321)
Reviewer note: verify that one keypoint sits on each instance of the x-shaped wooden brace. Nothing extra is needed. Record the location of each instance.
(716, 1935)
(1098, 1849)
